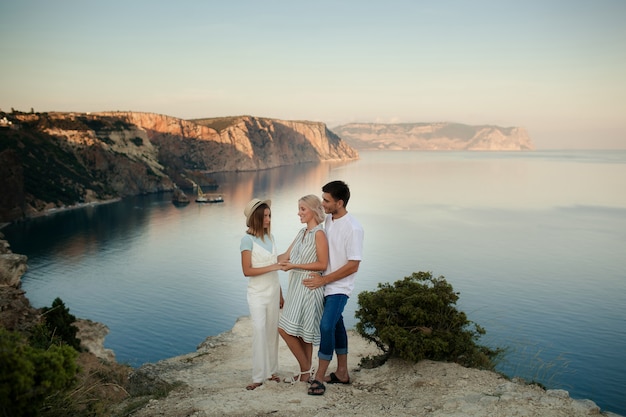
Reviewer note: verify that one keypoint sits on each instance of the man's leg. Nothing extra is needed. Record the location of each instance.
(333, 309)
(341, 348)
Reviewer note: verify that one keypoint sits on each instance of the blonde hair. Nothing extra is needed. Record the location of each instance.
(314, 203)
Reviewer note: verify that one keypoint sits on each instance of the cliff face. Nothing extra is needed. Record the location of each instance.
(434, 136)
(16, 313)
(59, 159)
(244, 143)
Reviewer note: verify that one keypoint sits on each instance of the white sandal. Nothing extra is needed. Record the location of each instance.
(297, 378)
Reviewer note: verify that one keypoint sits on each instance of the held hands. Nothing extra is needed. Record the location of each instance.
(286, 265)
(314, 279)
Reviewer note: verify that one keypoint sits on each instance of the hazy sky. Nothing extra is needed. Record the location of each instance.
(555, 67)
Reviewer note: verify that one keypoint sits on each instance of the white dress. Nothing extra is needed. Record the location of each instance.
(263, 301)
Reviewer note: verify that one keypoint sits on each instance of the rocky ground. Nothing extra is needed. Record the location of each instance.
(212, 380)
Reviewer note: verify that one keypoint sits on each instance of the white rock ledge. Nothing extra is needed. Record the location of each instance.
(214, 378)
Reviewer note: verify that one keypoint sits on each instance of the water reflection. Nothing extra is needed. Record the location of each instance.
(533, 242)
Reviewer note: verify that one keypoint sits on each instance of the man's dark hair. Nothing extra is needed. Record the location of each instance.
(338, 190)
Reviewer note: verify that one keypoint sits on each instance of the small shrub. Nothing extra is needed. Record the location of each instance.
(30, 375)
(60, 324)
(416, 319)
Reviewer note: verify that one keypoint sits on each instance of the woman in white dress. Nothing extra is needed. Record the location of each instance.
(265, 299)
(299, 323)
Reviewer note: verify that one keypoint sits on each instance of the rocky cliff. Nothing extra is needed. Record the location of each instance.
(52, 160)
(434, 136)
(241, 143)
(16, 312)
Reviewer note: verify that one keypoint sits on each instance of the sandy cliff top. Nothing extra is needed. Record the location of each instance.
(214, 378)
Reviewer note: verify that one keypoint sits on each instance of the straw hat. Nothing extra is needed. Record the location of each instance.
(253, 205)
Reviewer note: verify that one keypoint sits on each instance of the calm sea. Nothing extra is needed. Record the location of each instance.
(534, 242)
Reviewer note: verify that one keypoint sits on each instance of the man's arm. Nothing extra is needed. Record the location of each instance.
(316, 281)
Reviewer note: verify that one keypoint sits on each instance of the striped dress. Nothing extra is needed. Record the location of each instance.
(303, 307)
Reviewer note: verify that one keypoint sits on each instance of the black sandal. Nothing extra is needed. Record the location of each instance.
(316, 388)
(335, 380)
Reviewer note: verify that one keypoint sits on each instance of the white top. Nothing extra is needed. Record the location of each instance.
(345, 243)
(264, 287)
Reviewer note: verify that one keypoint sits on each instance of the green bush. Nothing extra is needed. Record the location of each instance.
(30, 375)
(416, 319)
(60, 324)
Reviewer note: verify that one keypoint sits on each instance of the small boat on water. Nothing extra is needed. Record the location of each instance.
(215, 199)
(206, 198)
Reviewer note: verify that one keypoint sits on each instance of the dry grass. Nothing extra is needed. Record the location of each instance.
(100, 387)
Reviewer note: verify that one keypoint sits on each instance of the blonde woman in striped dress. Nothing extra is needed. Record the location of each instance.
(299, 323)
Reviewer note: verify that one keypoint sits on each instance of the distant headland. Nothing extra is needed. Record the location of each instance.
(434, 137)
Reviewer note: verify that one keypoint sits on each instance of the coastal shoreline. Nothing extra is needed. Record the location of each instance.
(211, 381)
(55, 210)
(221, 366)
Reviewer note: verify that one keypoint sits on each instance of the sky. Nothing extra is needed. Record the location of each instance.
(554, 67)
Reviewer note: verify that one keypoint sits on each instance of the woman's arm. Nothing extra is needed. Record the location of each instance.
(249, 270)
(284, 257)
(321, 249)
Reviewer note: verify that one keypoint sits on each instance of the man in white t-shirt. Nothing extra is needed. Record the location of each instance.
(345, 246)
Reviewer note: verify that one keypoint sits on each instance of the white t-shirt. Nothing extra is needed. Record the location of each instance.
(345, 243)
